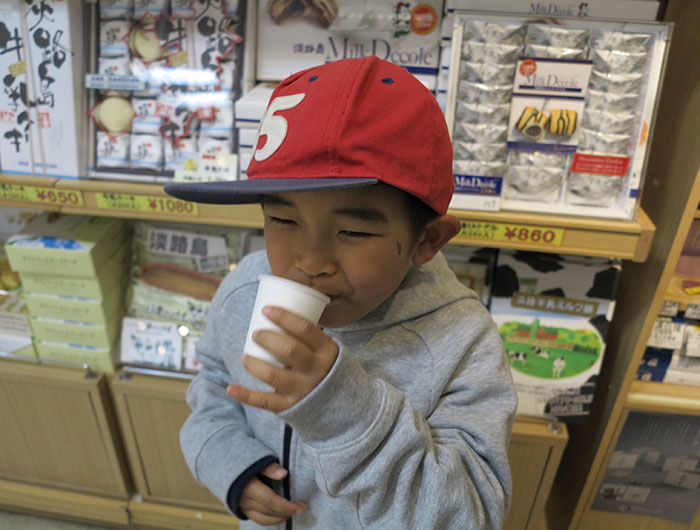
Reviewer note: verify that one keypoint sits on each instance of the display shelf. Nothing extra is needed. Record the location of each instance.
(526, 231)
(675, 292)
(663, 397)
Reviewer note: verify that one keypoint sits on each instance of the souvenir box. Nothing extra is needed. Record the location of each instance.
(98, 286)
(609, 9)
(553, 314)
(293, 36)
(72, 332)
(99, 359)
(69, 245)
(552, 115)
(42, 104)
(163, 80)
(92, 310)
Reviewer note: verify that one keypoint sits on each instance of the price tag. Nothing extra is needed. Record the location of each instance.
(146, 203)
(151, 342)
(669, 308)
(693, 311)
(667, 334)
(39, 195)
(18, 68)
(519, 234)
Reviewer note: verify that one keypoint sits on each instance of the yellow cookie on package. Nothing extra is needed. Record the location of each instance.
(115, 114)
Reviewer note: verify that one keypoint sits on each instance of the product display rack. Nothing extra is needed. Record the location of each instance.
(671, 200)
(524, 231)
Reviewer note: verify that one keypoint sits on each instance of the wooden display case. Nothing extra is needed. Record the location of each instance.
(152, 409)
(671, 201)
(59, 435)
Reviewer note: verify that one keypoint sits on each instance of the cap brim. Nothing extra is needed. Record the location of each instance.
(250, 191)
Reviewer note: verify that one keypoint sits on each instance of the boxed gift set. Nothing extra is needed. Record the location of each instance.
(164, 77)
(175, 271)
(42, 104)
(552, 116)
(73, 271)
(553, 314)
(296, 35)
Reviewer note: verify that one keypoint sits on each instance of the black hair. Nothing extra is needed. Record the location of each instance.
(419, 214)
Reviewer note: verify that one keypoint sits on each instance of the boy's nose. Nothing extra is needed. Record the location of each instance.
(316, 262)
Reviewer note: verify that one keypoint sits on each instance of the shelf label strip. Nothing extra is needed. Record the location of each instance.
(20, 192)
(512, 233)
(146, 203)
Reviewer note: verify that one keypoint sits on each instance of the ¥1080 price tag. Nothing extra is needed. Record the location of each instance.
(146, 203)
(517, 234)
(19, 192)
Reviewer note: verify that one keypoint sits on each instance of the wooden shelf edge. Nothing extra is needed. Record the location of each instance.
(663, 397)
(53, 502)
(153, 515)
(539, 430)
(579, 235)
(674, 292)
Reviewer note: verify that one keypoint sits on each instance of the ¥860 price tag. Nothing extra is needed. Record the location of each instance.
(146, 203)
(39, 195)
(517, 234)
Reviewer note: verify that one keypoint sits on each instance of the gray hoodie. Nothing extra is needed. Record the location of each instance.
(409, 429)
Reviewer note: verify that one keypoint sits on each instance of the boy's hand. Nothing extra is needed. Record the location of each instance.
(262, 505)
(306, 353)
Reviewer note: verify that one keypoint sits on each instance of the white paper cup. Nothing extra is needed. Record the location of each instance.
(289, 295)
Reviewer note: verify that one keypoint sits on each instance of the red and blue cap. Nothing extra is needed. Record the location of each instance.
(348, 123)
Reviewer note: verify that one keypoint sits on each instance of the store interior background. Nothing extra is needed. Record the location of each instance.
(100, 446)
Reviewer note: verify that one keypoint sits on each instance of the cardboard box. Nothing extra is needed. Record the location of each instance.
(107, 277)
(553, 314)
(98, 359)
(69, 245)
(42, 106)
(250, 108)
(72, 332)
(91, 310)
(398, 32)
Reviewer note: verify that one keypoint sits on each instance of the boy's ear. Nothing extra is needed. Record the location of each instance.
(437, 233)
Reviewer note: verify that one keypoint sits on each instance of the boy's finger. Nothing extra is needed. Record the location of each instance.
(262, 400)
(295, 325)
(288, 350)
(281, 379)
(274, 471)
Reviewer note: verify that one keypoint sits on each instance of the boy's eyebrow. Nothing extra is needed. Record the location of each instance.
(362, 213)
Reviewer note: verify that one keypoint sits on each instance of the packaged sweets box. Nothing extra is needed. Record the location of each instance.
(99, 359)
(293, 36)
(553, 314)
(163, 80)
(42, 105)
(555, 116)
(107, 276)
(65, 245)
(72, 332)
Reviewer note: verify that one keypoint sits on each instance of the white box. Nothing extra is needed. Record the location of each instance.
(398, 32)
(682, 479)
(246, 138)
(610, 9)
(250, 108)
(680, 462)
(47, 136)
(624, 460)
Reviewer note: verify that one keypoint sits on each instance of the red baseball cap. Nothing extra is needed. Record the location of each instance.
(348, 123)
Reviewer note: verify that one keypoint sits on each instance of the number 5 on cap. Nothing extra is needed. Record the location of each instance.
(275, 127)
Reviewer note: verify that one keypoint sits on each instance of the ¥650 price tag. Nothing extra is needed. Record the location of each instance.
(39, 195)
(518, 234)
(146, 203)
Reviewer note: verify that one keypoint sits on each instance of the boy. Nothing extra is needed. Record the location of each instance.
(396, 410)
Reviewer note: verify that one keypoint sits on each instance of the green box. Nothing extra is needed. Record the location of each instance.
(68, 331)
(65, 245)
(91, 310)
(98, 359)
(89, 287)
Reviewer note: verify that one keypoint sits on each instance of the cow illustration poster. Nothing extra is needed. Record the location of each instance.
(553, 313)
